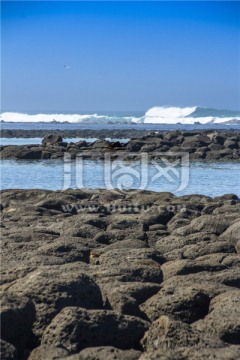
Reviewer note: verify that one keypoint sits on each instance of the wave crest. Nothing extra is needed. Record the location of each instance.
(170, 112)
(155, 115)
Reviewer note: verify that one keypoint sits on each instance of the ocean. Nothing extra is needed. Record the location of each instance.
(155, 117)
(211, 179)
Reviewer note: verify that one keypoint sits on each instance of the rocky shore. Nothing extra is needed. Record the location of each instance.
(94, 274)
(205, 145)
(76, 133)
(89, 133)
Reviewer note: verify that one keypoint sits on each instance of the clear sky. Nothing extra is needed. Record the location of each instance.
(123, 55)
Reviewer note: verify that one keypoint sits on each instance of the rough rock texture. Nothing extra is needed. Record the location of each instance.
(53, 288)
(76, 328)
(94, 353)
(194, 353)
(203, 145)
(134, 274)
(223, 318)
(17, 315)
(48, 353)
(165, 333)
(7, 351)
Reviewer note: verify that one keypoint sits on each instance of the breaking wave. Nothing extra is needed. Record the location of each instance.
(155, 115)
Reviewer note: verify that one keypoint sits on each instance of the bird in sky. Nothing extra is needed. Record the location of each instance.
(67, 67)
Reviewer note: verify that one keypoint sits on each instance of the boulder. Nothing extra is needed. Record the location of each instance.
(7, 351)
(21, 152)
(102, 144)
(165, 333)
(108, 353)
(76, 328)
(184, 303)
(134, 145)
(230, 143)
(51, 139)
(223, 319)
(232, 234)
(44, 352)
(213, 224)
(51, 288)
(194, 353)
(17, 317)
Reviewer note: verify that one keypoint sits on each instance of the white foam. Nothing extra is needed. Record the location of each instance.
(155, 115)
(72, 118)
(175, 115)
(169, 112)
(62, 118)
(190, 120)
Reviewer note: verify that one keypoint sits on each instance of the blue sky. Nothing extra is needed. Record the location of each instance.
(123, 55)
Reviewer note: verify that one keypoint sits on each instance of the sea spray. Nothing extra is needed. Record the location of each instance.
(155, 115)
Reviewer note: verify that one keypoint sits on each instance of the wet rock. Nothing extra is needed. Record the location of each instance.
(200, 145)
(21, 152)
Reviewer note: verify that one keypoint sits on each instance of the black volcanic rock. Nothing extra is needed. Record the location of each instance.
(203, 145)
(17, 317)
(51, 139)
(76, 328)
(7, 351)
(152, 278)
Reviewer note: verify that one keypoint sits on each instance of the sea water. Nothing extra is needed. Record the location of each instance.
(212, 179)
(157, 116)
(38, 141)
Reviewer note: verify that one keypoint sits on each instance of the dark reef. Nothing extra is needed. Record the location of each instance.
(205, 145)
